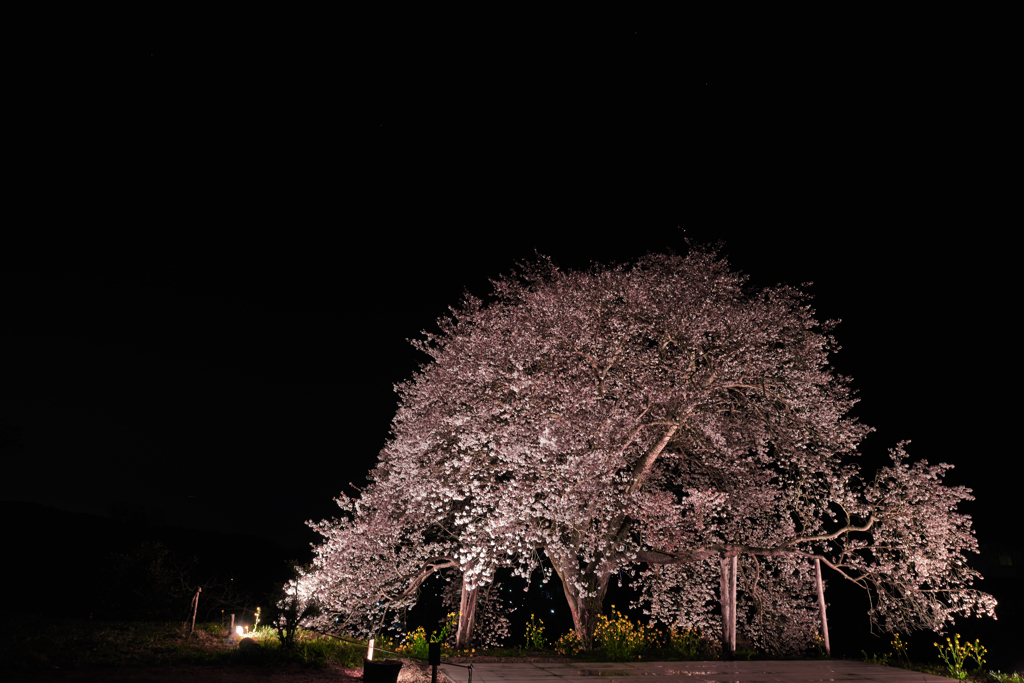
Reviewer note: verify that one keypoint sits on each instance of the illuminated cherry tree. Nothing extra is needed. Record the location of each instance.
(376, 556)
(899, 536)
(663, 412)
(372, 561)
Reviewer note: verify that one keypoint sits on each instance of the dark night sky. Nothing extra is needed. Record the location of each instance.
(221, 253)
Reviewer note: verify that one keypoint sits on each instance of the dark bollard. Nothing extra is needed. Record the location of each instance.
(384, 671)
(434, 659)
(249, 648)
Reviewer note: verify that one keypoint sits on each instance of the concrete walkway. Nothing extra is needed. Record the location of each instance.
(705, 672)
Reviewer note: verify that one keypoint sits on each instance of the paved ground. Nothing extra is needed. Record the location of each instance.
(705, 672)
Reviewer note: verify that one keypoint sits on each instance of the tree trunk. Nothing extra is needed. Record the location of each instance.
(467, 617)
(585, 610)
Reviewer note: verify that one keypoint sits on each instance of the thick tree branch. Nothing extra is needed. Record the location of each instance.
(835, 534)
(643, 468)
(416, 580)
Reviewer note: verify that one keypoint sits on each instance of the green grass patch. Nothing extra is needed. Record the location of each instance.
(37, 644)
(34, 644)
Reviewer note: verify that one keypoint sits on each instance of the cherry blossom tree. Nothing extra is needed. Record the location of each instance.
(372, 561)
(386, 544)
(899, 536)
(663, 412)
(563, 405)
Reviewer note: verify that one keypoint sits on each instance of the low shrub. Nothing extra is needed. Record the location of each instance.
(686, 643)
(417, 643)
(569, 645)
(535, 634)
(620, 639)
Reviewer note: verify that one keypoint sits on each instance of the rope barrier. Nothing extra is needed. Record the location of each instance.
(375, 648)
(399, 654)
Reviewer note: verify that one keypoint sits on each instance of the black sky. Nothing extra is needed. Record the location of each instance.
(219, 254)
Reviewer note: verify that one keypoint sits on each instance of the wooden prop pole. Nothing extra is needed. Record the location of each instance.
(732, 608)
(821, 604)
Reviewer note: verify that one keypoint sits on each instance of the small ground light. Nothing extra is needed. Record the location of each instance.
(239, 631)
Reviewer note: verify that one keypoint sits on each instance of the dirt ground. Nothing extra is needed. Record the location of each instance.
(411, 673)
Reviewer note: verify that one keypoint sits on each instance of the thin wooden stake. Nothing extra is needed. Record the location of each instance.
(821, 604)
(195, 608)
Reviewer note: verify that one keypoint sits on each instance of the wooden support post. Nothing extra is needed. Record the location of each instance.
(732, 608)
(821, 605)
(728, 592)
(723, 591)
